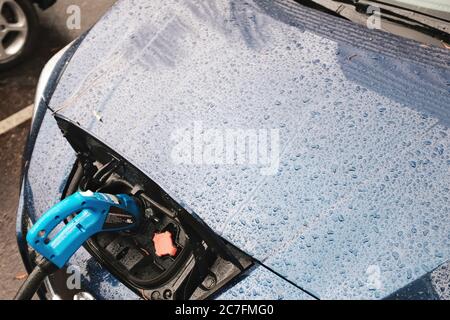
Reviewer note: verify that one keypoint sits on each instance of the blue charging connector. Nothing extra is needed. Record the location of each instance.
(93, 213)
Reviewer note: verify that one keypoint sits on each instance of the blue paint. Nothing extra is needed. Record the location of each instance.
(363, 175)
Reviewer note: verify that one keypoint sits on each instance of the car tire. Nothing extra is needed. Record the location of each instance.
(19, 27)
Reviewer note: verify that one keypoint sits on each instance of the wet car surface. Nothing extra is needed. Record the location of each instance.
(17, 90)
(360, 120)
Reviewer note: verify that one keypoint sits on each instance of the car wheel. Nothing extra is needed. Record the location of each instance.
(18, 31)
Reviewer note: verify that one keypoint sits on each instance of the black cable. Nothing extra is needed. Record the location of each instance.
(34, 280)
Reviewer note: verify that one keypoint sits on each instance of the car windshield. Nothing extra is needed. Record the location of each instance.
(426, 21)
(422, 5)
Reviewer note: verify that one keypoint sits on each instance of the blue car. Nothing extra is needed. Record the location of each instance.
(282, 150)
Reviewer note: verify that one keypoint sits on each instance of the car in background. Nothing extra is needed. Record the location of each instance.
(345, 197)
(19, 29)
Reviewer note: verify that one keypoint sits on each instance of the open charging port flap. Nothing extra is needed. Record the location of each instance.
(173, 254)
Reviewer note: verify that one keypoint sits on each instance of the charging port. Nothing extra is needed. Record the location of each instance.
(172, 255)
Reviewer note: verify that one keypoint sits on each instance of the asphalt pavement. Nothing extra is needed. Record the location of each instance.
(17, 88)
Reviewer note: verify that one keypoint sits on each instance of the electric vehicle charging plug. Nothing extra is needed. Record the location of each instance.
(91, 213)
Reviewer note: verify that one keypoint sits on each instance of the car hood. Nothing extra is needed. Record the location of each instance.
(318, 147)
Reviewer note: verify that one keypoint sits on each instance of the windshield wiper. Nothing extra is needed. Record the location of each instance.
(401, 21)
